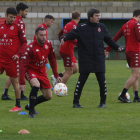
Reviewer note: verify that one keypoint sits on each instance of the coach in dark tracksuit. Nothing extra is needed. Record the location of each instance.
(91, 58)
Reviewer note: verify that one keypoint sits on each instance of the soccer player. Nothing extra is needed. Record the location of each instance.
(67, 50)
(48, 22)
(33, 68)
(131, 32)
(12, 45)
(91, 58)
(22, 12)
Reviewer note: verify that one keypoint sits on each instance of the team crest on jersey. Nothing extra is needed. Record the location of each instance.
(46, 47)
(2, 27)
(99, 29)
(12, 28)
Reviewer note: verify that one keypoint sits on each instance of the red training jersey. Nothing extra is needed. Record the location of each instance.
(35, 58)
(131, 32)
(12, 41)
(43, 25)
(68, 46)
(19, 21)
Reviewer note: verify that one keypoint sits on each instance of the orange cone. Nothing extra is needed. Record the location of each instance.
(23, 131)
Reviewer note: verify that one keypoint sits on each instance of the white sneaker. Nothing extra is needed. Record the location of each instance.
(54, 80)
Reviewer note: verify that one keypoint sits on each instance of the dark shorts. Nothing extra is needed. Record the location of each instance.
(68, 59)
(133, 59)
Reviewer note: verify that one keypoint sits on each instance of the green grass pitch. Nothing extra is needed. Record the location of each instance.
(57, 120)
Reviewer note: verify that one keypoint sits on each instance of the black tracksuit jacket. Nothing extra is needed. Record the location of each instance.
(90, 37)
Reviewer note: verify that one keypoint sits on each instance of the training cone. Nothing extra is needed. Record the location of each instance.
(23, 113)
(23, 131)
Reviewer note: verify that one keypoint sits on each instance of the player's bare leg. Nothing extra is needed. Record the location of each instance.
(75, 68)
(68, 72)
(5, 95)
(47, 93)
(134, 77)
(135, 91)
(8, 83)
(15, 83)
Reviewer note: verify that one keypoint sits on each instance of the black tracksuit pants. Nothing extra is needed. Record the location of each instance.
(81, 82)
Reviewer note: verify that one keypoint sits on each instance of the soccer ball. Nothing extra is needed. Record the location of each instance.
(126, 95)
(127, 66)
(60, 89)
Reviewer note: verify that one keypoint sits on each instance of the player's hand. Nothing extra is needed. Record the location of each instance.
(119, 49)
(59, 80)
(62, 41)
(22, 87)
(15, 57)
(106, 53)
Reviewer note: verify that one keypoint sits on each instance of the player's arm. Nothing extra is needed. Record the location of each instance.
(74, 42)
(23, 64)
(137, 31)
(23, 41)
(115, 38)
(73, 34)
(68, 29)
(52, 60)
(109, 41)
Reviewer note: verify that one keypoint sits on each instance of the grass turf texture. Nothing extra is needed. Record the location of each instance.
(57, 120)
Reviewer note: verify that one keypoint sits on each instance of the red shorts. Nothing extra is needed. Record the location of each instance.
(11, 68)
(68, 59)
(133, 59)
(42, 78)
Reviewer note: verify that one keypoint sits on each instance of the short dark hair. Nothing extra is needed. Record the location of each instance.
(21, 6)
(11, 10)
(39, 29)
(91, 12)
(75, 14)
(136, 13)
(49, 17)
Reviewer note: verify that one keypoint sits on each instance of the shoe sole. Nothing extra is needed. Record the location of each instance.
(77, 107)
(120, 99)
(14, 110)
(31, 116)
(136, 101)
(6, 99)
(101, 107)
